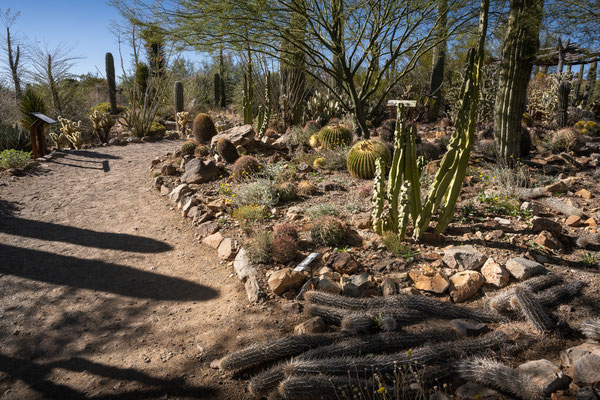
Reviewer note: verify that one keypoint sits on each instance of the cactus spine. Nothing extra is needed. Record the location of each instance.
(110, 79)
(264, 113)
(563, 103)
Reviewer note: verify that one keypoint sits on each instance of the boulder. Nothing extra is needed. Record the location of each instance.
(586, 370)
(558, 187)
(252, 289)
(464, 285)
(495, 274)
(546, 375)
(179, 191)
(200, 171)
(285, 279)
(329, 286)
(228, 248)
(532, 207)
(584, 194)
(389, 287)
(239, 136)
(522, 268)
(242, 266)
(572, 354)
(430, 281)
(213, 240)
(544, 224)
(207, 228)
(343, 263)
(463, 257)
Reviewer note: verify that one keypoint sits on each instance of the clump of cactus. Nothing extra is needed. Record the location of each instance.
(285, 245)
(361, 158)
(201, 151)
(307, 188)
(286, 192)
(566, 139)
(58, 139)
(328, 231)
(183, 118)
(592, 127)
(71, 131)
(102, 123)
(333, 136)
(245, 167)
(314, 141)
(204, 128)
(226, 150)
(319, 162)
(264, 113)
(189, 148)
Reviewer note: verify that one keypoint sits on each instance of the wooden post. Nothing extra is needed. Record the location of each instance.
(33, 134)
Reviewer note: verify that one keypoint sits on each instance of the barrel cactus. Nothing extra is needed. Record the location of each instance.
(201, 151)
(189, 148)
(227, 150)
(204, 128)
(361, 158)
(566, 139)
(333, 136)
(244, 167)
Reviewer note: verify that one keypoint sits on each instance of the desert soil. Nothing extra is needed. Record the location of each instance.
(105, 292)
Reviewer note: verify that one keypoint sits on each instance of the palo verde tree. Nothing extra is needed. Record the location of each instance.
(521, 44)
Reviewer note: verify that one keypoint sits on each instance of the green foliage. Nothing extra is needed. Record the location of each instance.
(328, 231)
(156, 129)
(361, 158)
(105, 108)
(499, 204)
(590, 260)
(394, 244)
(333, 136)
(14, 137)
(250, 213)
(30, 102)
(204, 128)
(14, 159)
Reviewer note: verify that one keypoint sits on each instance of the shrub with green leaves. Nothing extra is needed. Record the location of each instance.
(156, 129)
(14, 159)
(105, 108)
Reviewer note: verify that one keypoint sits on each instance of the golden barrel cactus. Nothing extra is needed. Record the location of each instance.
(361, 158)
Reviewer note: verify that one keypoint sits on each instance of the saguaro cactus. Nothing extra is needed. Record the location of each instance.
(110, 79)
(563, 103)
(591, 83)
(178, 95)
(439, 58)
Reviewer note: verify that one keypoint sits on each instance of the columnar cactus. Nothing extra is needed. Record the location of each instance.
(110, 79)
(562, 115)
(247, 99)
(178, 95)
(264, 113)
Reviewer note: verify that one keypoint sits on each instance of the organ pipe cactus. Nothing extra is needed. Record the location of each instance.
(178, 95)
(563, 103)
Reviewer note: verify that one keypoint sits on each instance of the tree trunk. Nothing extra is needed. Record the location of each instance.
(338, 33)
(53, 88)
(520, 45)
(439, 58)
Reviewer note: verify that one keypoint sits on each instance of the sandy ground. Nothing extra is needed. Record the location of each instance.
(105, 293)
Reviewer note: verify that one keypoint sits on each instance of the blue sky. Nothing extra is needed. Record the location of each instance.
(85, 25)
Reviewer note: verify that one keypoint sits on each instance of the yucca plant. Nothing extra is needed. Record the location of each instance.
(30, 102)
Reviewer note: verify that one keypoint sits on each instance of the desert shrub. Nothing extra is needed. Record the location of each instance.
(261, 192)
(286, 192)
(189, 148)
(156, 129)
(245, 167)
(486, 146)
(284, 249)
(321, 210)
(250, 213)
(487, 94)
(307, 188)
(328, 231)
(259, 247)
(508, 181)
(274, 171)
(105, 108)
(14, 159)
(14, 137)
(395, 245)
(322, 107)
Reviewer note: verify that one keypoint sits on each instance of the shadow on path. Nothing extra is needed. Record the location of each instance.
(35, 375)
(88, 154)
(98, 275)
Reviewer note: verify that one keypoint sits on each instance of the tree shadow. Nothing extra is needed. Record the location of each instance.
(98, 275)
(70, 234)
(37, 377)
(89, 154)
(8, 209)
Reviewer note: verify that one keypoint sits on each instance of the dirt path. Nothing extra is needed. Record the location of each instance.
(105, 293)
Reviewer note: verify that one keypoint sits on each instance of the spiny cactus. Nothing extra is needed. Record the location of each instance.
(71, 131)
(178, 96)
(592, 127)
(487, 372)
(110, 80)
(328, 231)
(591, 328)
(314, 141)
(266, 381)
(274, 350)
(501, 302)
(562, 115)
(204, 128)
(201, 151)
(324, 387)
(429, 354)
(566, 139)
(227, 150)
(534, 312)
(245, 167)
(183, 118)
(188, 148)
(264, 113)
(361, 158)
(102, 123)
(58, 139)
(307, 188)
(333, 136)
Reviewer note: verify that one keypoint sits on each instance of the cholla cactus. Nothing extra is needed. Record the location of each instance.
(183, 118)
(58, 139)
(71, 131)
(102, 123)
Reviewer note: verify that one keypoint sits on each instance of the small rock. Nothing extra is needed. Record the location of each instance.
(463, 257)
(200, 171)
(292, 308)
(546, 239)
(465, 285)
(213, 240)
(585, 393)
(389, 287)
(573, 221)
(494, 273)
(343, 263)
(546, 375)
(522, 268)
(207, 228)
(252, 289)
(435, 282)
(331, 187)
(533, 208)
(179, 191)
(164, 190)
(285, 279)
(351, 290)
(168, 170)
(557, 187)
(239, 136)
(313, 325)
(227, 249)
(469, 327)
(591, 223)
(586, 370)
(473, 391)
(584, 194)
(544, 224)
(242, 266)
(327, 285)
(572, 354)
(361, 221)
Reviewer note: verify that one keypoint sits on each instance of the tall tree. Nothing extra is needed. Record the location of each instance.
(520, 46)
(13, 57)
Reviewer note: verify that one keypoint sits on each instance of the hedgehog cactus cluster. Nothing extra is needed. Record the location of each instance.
(361, 158)
(566, 139)
(332, 136)
(587, 127)
(189, 148)
(226, 150)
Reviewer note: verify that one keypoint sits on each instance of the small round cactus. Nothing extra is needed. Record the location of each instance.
(314, 141)
(328, 231)
(227, 150)
(245, 167)
(566, 139)
(189, 148)
(204, 128)
(307, 188)
(286, 192)
(592, 127)
(580, 125)
(333, 136)
(319, 162)
(201, 151)
(362, 156)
